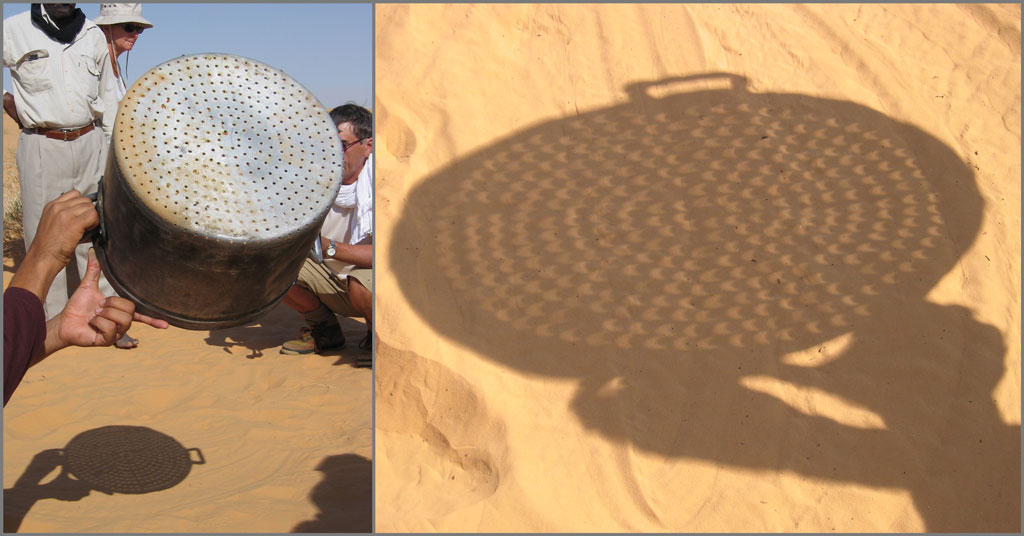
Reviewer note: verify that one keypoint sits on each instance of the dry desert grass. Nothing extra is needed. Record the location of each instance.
(14, 247)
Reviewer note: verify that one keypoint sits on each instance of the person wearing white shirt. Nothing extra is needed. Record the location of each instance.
(122, 24)
(62, 90)
(343, 283)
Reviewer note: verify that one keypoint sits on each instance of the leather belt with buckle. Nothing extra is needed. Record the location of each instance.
(63, 134)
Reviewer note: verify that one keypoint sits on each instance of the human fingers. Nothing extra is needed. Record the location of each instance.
(73, 208)
(120, 317)
(155, 322)
(80, 213)
(107, 329)
(119, 303)
(70, 194)
(92, 270)
(126, 305)
(63, 222)
(119, 311)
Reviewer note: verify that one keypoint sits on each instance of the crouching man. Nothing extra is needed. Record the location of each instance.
(343, 284)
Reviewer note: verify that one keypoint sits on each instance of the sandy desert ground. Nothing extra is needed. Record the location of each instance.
(698, 268)
(193, 431)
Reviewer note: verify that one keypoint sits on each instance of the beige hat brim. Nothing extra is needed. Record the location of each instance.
(106, 20)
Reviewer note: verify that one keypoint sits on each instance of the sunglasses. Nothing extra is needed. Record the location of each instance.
(131, 28)
(346, 144)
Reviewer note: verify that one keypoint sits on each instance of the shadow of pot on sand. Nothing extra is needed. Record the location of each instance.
(688, 257)
(110, 459)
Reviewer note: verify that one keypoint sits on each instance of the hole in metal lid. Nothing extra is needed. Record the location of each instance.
(182, 124)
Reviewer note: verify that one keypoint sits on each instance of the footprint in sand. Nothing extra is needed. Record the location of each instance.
(396, 136)
(454, 449)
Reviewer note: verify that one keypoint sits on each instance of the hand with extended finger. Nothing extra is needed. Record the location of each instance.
(92, 319)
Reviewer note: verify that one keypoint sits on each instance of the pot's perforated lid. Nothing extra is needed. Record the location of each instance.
(225, 146)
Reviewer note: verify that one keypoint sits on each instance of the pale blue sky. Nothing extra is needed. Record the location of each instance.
(325, 47)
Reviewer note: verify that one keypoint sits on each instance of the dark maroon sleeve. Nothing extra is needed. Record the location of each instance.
(24, 333)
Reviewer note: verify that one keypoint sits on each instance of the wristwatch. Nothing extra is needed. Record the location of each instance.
(331, 249)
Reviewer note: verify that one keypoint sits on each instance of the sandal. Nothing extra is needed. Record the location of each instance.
(126, 342)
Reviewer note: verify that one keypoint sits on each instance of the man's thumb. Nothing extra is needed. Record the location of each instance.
(92, 272)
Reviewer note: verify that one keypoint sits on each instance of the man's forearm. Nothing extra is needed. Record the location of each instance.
(360, 255)
(52, 343)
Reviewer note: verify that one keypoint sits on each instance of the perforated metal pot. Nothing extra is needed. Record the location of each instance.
(220, 173)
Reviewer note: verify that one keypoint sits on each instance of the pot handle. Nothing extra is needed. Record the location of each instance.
(315, 252)
(640, 90)
(96, 234)
(199, 453)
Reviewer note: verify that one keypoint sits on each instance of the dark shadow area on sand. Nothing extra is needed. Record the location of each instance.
(344, 496)
(677, 254)
(278, 326)
(111, 459)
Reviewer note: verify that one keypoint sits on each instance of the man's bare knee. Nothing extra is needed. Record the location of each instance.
(362, 298)
(301, 299)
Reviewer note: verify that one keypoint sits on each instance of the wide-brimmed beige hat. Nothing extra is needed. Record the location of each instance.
(120, 14)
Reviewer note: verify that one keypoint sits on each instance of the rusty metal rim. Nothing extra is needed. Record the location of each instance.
(146, 308)
(179, 321)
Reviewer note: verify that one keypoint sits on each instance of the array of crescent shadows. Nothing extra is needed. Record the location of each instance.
(708, 220)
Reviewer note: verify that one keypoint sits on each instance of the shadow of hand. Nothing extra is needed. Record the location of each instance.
(64, 487)
(29, 488)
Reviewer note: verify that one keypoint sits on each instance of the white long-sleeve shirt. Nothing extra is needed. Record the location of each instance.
(57, 85)
(351, 224)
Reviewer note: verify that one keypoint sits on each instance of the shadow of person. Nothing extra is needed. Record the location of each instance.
(344, 496)
(278, 326)
(30, 488)
(720, 270)
(109, 459)
(354, 331)
(273, 329)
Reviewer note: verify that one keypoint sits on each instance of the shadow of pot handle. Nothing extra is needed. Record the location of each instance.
(641, 90)
(199, 453)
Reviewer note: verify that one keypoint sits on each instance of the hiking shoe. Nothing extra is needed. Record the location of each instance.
(319, 338)
(302, 345)
(366, 360)
(367, 342)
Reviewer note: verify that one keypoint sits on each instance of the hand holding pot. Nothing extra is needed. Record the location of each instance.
(64, 221)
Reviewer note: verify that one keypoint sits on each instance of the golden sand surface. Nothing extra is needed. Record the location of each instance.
(193, 431)
(733, 268)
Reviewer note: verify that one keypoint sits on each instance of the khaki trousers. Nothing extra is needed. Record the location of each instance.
(47, 168)
(333, 291)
